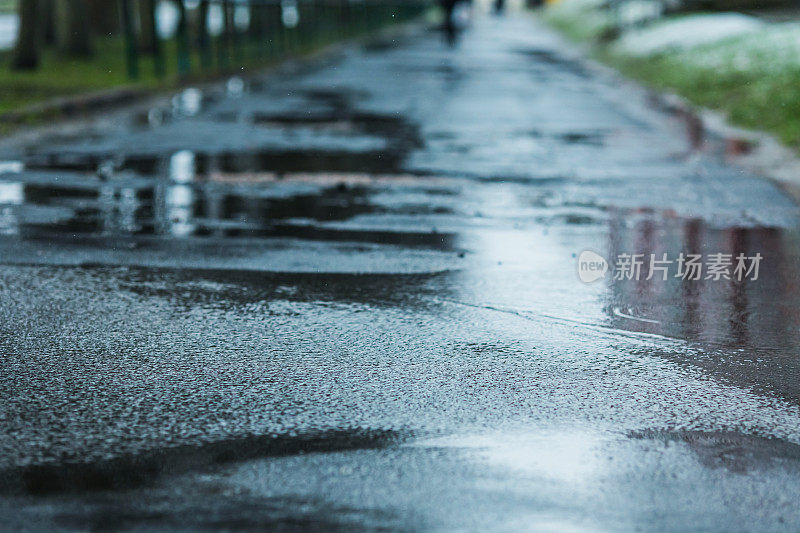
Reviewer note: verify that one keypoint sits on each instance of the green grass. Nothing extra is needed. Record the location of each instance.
(58, 76)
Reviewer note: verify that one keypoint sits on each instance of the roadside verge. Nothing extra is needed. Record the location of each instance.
(731, 77)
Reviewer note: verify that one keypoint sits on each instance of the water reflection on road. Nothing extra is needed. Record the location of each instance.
(375, 260)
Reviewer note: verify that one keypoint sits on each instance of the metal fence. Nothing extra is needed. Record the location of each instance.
(250, 32)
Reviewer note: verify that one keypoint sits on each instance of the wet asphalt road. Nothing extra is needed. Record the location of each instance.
(345, 296)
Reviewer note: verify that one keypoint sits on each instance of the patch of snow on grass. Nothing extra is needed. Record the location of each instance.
(640, 11)
(773, 50)
(687, 32)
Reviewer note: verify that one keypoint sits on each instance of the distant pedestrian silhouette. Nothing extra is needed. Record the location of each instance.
(456, 15)
(450, 29)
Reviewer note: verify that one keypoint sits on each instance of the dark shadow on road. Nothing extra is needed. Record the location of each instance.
(190, 288)
(737, 452)
(214, 510)
(142, 469)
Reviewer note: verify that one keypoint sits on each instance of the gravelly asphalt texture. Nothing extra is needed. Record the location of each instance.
(345, 297)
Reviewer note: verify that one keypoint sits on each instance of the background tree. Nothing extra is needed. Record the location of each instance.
(103, 16)
(259, 20)
(147, 25)
(203, 36)
(47, 21)
(72, 28)
(26, 52)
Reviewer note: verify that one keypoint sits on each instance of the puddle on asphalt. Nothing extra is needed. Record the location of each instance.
(219, 192)
(565, 456)
(400, 133)
(218, 205)
(580, 457)
(747, 330)
(258, 160)
(328, 111)
(206, 193)
(725, 312)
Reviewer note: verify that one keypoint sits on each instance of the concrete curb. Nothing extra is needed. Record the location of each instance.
(755, 151)
(70, 106)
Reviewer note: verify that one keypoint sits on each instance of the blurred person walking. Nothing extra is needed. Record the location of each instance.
(456, 16)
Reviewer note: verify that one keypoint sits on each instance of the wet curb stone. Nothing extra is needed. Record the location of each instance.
(755, 151)
(70, 106)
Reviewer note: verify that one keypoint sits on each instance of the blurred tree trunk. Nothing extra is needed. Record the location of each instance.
(72, 28)
(104, 16)
(26, 52)
(203, 36)
(227, 22)
(202, 22)
(47, 22)
(258, 21)
(147, 25)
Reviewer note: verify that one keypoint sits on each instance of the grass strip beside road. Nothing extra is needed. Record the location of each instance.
(59, 76)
